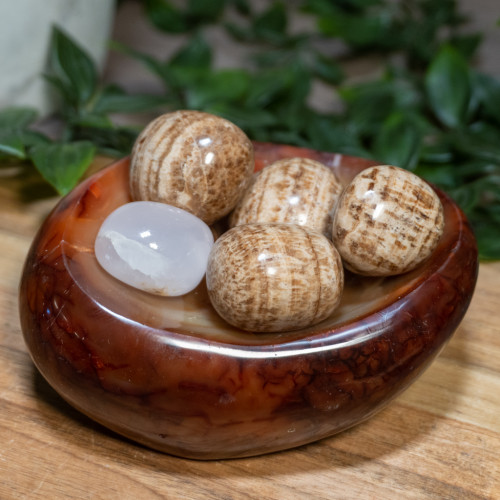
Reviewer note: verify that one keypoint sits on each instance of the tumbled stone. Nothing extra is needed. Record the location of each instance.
(274, 277)
(193, 160)
(293, 191)
(155, 247)
(387, 222)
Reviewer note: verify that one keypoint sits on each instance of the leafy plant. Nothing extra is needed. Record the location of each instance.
(429, 111)
(85, 109)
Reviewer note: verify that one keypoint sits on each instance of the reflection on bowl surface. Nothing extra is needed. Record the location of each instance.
(171, 374)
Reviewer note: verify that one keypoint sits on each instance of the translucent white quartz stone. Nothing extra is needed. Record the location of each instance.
(155, 247)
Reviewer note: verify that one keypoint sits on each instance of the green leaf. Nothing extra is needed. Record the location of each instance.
(329, 133)
(184, 78)
(91, 120)
(17, 118)
(481, 193)
(291, 108)
(443, 12)
(245, 117)
(267, 85)
(65, 92)
(239, 33)
(399, 141)
(195, 54)
(31, 138)
(359, 31)
(467, 197)
(471, 170)
(62, 165)
(13, 123)
(478, 145)
(436, 153)
(242, 6)
(369, 105)
(188, 65)
(467, 45)
(444, 176)
(272, 23)
(165, 16)
(205, 10)
(487, 90)
(112, 141)
(72, 67)
(484, 129)
(226, 85)
(12, 145)
(274, 57)
(327, 7)
(113, 100)
(287, 137)
(488, 240)
(326, 68)
(159, 68)
(318, 7)
(448, 87)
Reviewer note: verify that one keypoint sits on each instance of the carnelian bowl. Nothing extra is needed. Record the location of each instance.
(172, 375)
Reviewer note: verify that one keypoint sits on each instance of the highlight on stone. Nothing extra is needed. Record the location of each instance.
(154, 247)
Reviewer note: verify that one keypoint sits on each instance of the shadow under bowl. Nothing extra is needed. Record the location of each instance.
(171, 374)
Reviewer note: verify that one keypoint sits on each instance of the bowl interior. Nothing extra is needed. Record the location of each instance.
(192, 314)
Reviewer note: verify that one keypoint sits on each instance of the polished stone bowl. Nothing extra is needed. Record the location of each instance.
(171, 374)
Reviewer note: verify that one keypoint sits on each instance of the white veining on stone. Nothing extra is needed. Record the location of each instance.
(154, 247)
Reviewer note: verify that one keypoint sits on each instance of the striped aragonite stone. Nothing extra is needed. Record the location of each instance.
(387, 222)
(271, 277)
(192, 160)
(293, 190)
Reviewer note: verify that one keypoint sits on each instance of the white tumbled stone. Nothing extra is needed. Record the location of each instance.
(155, 247)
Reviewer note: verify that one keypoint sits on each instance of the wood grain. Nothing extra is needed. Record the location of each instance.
(440, 439)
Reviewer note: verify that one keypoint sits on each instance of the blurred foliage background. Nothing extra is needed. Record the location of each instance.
(427, 108)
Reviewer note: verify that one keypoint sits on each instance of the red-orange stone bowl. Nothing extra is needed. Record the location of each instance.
(169, 373)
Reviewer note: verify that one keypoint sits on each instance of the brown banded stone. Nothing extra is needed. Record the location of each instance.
(293, 276)
(192, 160)
(293, 190)
(401, 224)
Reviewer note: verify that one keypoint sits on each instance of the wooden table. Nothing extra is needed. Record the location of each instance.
(440, 439)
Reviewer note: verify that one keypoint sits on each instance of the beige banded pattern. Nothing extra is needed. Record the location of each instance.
(192, 160)
(274, 277)
(295, 191)
(387, 222)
